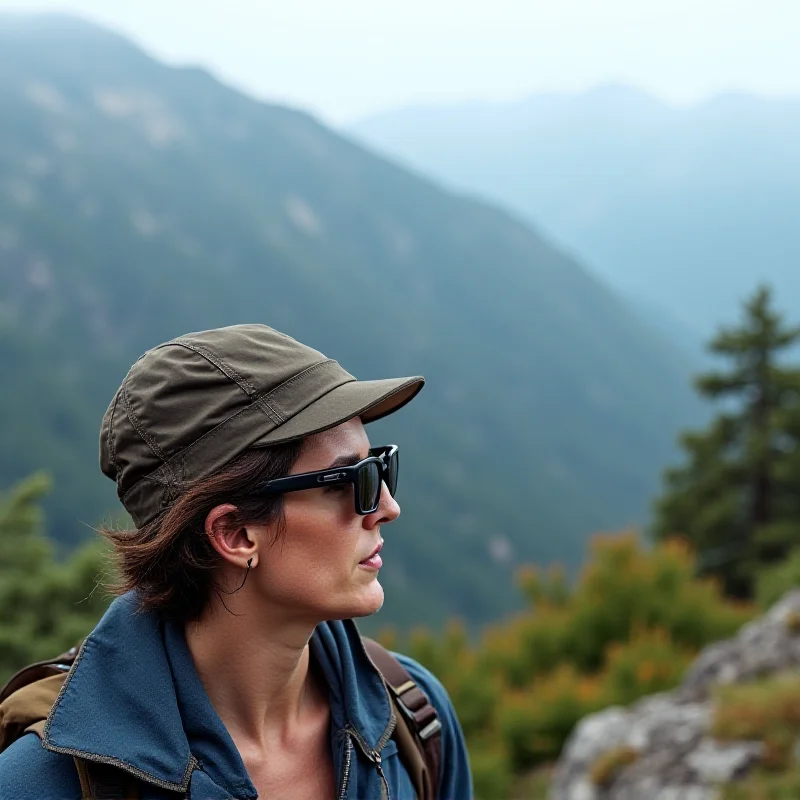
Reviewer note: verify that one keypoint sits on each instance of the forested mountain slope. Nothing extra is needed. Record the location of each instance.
(140, 201)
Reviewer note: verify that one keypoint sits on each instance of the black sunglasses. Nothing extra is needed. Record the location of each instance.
(367, 477)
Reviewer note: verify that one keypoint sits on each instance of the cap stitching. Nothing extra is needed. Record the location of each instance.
(158, 476)
(290, 381)
(212, 434)
(179, 460)
(263, 398)
(169, 489)
(231, 373)
(222, 366)
(367, 407)
(151, 443)
(112, 450)
(270, 410)
(134, 420)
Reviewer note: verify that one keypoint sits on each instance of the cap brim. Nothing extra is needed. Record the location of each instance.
(369, 400)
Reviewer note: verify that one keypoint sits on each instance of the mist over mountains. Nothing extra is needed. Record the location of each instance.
(681, 209)
(140, 201)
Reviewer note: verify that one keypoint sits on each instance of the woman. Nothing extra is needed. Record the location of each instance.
(230, 665)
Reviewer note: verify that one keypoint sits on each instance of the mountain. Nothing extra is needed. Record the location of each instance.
(140, 201)
(682, 209)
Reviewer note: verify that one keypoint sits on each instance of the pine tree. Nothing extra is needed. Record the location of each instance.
(735, 498)
(46, 604)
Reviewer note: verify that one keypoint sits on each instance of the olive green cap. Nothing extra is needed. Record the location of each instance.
(188, 407)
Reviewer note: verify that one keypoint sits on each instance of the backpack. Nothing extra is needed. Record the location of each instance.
(26, 700)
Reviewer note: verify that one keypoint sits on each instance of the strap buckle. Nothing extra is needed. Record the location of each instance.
(418, 709)
(430, 729)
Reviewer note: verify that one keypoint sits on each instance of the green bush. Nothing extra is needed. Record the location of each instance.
(773, 582)
(767, 711)
(533, 724)
(765, 786)
(629, 626)
(491, 771)
(650, 662)
(46, 605)
(625, 589)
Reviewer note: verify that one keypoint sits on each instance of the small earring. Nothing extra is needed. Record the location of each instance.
(247, 572)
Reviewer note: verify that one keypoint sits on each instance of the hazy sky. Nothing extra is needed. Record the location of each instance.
(347, 58)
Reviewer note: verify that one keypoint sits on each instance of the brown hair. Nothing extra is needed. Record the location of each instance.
(170, 561)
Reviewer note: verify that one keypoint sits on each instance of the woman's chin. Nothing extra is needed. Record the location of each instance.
(369, 600)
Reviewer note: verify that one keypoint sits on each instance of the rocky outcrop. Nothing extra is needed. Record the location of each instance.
(662, 745)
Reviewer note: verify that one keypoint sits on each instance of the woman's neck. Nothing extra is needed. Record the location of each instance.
(256, 675)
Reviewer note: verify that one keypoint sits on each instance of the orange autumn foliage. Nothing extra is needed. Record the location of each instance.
(629, 625)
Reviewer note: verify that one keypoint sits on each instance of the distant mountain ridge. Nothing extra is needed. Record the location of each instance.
(682, 208)
(139, 202)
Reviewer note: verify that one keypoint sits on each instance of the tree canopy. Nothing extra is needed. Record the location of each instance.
(47, 604)
(735, 497)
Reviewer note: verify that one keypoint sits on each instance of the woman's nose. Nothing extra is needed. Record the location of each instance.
(388, 509)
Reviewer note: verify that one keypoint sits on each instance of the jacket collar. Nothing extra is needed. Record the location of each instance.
(133, 699)
(359, 697)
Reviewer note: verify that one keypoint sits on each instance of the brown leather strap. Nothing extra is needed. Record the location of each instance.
(106, 782)
(28, 696)
(27, 709)
(37, 671)
(416, 713)
(83, 776)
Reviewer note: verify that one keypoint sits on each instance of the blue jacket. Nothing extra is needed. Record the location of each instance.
(134, 699)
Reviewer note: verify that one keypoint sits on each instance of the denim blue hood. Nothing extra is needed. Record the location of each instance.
(133, 699)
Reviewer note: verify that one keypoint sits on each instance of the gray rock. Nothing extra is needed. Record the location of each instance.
(677, 758)
(720, 762)
(762, 647)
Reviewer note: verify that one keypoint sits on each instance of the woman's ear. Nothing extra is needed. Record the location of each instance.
(232, 540)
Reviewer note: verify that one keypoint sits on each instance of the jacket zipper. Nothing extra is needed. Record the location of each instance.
(383, 776)
(387, 734)
(375, 755)
(346, 772)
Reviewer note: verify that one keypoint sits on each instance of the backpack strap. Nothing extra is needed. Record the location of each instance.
(35, 672)
(26, 700)
(419, 731)
(105, 782)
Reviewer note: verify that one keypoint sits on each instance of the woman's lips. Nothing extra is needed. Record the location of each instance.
(374, 560)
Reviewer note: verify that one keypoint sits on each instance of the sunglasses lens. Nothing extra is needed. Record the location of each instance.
(391, 473)
(369, 486)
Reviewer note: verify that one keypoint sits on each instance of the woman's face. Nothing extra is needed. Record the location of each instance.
(316, 568)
